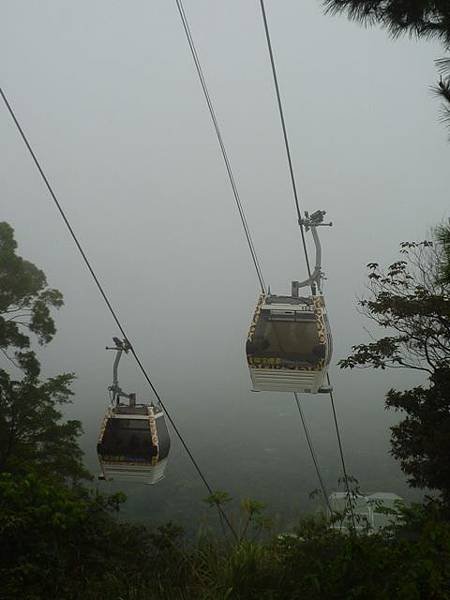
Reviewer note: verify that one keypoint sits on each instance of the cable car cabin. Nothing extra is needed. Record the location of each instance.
(134, 444)
(289, 344)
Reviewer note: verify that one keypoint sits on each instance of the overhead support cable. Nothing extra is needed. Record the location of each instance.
(231, 177)
(302, 232)
(112, 310)
(313, 453)
(241, 210)
(341, 451)
(285, 135)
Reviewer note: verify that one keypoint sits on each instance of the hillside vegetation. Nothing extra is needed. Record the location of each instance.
(59, 539)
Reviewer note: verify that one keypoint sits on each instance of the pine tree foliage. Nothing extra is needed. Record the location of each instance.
(416, 18)
(443, 235)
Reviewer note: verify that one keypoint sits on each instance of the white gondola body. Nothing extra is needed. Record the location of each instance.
(289, 344)
(133, 472)
(118, 460)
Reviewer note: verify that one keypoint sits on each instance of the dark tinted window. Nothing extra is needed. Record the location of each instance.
(133, 423)
(128, 438)
(291, 340)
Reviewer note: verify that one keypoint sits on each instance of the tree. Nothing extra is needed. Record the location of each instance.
(25, 302)
(443, 88)
(420, 18)
(421, 441)
(417, 18)
(443, 235)
(54, 537)
(32, 435)
(411, 302)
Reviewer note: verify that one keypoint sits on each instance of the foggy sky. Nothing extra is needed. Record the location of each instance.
(109, 97)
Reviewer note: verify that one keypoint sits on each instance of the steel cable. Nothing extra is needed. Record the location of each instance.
(231, 177)
(239, 204)
(313, 453)
(286, 140)
(305, 249)
(112, 311)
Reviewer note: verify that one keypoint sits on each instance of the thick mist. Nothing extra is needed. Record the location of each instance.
(109, 97)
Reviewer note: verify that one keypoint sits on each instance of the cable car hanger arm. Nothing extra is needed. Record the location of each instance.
(312, 222)
(117, 392)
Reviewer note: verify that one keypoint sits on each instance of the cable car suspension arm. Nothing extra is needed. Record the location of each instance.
(312, 222)
(115, 389)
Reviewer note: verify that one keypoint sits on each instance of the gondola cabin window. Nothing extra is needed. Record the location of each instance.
(128, 437)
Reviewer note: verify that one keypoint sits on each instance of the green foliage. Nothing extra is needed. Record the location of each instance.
(250, 518)
(53, 537)
(443, 235)
(244, 570)
(417, 18)
(317, 562)
(252, 511)
(367, 566)
(410, 300)
(32, 435)
(25, 302)
(442, 89)
(64, 543)
(421, 441)
(60, 540)
(218, 498)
